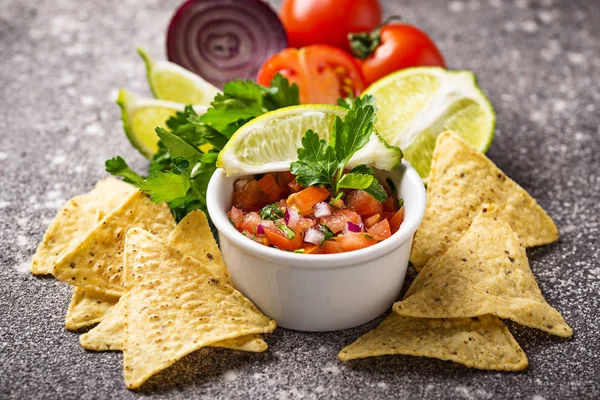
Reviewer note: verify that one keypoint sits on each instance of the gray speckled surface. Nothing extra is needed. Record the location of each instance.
(61, 63)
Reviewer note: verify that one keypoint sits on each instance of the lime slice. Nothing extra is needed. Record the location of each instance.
(141, 117)
(270, 142)
(172, 82)
(417, 104)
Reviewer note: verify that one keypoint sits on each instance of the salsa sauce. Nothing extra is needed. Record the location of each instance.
(276, 211)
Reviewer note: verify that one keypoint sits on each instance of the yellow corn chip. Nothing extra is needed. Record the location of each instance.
(485, 272)
(483, 342)
(461, 181)
(194, 238)
(190, 238)
(96, 263)
(175, 307)
(87, 308)
(77, 217)
(110, 335)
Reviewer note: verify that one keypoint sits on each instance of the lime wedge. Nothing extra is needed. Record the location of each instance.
(270, 142)
(172, 82)
(417, 104)
(141, 116)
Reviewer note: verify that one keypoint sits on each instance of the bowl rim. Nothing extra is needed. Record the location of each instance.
(339, 260)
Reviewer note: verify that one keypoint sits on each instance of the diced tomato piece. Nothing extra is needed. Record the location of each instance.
(354, 241)
(312, 249)
(250, 198)
(302, 224)
(294, 186)
(397, 220)
(250, 222)
(337, 221)
(305, 199)
(330, 247)
(236, 215)
(372, 220)
(390, 205)
(381, 230)
(363, 203)
(278, 239)
(269, 186)
(283, 180)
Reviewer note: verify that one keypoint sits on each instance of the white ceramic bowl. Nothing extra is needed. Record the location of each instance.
(319, 292)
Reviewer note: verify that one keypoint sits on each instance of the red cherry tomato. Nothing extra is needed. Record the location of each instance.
(323, 73)
(328, 21)
(394, 47)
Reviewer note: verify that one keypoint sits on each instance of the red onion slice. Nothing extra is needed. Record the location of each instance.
(322, 209)
(352, 227)
(314, 236)
(222, 40)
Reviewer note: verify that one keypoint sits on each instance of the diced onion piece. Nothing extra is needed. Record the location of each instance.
(260, 230)
(314, 236)
(352, 227)
(322, 209)
(291, 217)
(240, 184)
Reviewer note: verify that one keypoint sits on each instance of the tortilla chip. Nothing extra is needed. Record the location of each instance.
(485, 272)
(194, 238)
(110, 335)
(461, 181)
(87, 308)
(176, 307)
(76, 218)
(96, 263)
(483, 342)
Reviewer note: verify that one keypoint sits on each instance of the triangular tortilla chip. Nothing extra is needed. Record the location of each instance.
(110, 335)
(96, 263)
(483, 342)
(76, 218)
(194, 238)
(461, 181)
(175, 307)
(485, 272)
(87, 308)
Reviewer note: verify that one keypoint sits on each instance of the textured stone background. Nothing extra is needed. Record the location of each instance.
(61, 64)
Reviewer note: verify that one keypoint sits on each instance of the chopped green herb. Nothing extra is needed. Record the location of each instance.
(324, 163)
(328, 233)
(300, 251)
(289, 233)
(400, 203)
(271, 212)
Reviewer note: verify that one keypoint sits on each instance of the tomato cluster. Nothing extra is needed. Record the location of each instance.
(339, 47)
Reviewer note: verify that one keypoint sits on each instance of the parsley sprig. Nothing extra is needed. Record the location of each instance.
(181, 169)
(322, 163)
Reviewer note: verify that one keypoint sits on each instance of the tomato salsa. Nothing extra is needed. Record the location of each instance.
(276, 211)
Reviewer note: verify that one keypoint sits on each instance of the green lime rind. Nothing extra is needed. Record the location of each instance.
(123, 100)
(148, 64)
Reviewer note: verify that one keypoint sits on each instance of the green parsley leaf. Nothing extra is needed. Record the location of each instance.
(376, 190)
(165, 186)
(118, 167)
(177, 146)
(355, 102)
(355, 181)
(316, 163)
(353, 133)
(281, 93)
(271, 212)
